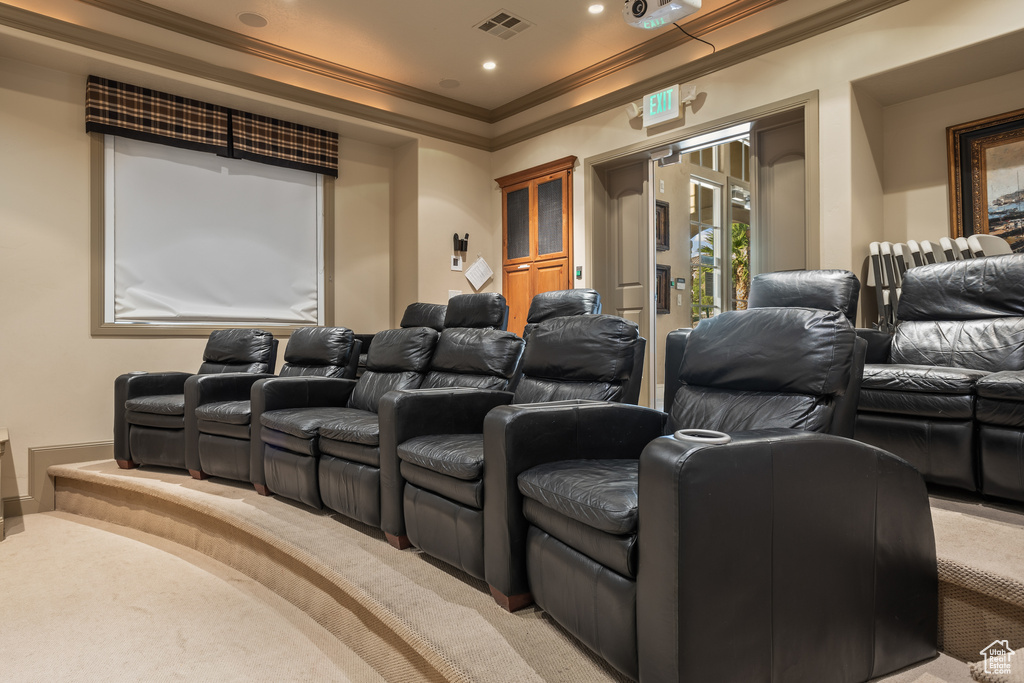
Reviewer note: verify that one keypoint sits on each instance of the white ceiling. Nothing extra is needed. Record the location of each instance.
(422, 43)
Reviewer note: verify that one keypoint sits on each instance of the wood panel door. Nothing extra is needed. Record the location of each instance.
(536, 235)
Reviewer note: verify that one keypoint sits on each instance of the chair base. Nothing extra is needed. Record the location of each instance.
(262, 489)
(126, 464)
(199, 474)
(511, 603)
(401, 542)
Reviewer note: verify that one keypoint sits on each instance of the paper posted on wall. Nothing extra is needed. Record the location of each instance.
(479, 273)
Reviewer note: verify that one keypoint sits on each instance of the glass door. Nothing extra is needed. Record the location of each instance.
(700, 232)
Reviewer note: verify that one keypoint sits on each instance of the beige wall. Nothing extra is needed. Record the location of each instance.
(58, 379)
(400, 196)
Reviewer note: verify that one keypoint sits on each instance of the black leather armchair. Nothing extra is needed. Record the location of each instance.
(356, 453)
(828, 290)
(560, 303)
(219, 422)
(435, 499)
(811, 555)
(149, 408)
(292, 409)
(416, 315)
(945, 393)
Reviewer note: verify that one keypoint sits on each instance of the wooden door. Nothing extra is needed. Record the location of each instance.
(536, 235)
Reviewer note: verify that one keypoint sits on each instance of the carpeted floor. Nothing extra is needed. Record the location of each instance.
(401, 614)
(84, 600)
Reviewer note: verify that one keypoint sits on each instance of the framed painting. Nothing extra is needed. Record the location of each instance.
(986, 177)
(662, 293)
(661, 225)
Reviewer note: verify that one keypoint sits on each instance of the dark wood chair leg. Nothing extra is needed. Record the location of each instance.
(511, 603)
(199, 474)
(126, 464)
(400, 542)
(262, 489)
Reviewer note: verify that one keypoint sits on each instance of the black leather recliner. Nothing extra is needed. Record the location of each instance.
(149, 408)
(828, 290)
(811, 555)
(949, 368)
(351, 466)
(416, 315)
(219, 424)
(294, 409)
(434, 498)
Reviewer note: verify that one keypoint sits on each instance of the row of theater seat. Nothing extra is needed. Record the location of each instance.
(814, 551)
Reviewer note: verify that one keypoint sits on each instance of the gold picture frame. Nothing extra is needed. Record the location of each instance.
(986, 177)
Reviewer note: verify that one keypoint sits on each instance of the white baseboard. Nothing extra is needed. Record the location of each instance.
(40, 484)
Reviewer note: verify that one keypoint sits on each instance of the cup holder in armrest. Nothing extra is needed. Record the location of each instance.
(702, 436)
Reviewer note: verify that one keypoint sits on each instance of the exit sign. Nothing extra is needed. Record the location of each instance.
(661, 106)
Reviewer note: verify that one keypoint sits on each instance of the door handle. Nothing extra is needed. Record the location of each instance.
(525, 265)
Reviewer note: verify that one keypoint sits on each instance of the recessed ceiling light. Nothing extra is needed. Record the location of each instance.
(489, 65)
(595, 9)
(449, 83)
(253, 19)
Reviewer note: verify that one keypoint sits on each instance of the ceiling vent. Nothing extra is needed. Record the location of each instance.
(504, 24)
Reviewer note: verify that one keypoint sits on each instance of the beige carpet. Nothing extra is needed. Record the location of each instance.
(82, 600)
(411, 618)
(415, 619)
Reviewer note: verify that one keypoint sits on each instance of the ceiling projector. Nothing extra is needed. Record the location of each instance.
(652, 14)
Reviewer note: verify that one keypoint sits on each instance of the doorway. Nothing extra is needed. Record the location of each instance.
(678, 230)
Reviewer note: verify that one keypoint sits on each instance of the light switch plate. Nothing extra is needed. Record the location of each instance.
(454, 292)
(457, 262)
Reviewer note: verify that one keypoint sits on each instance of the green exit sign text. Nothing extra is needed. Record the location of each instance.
(661, 106)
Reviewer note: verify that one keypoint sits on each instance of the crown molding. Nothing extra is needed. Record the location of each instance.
(821, 22)
(56, 29)
(808, 27)
(233, 40)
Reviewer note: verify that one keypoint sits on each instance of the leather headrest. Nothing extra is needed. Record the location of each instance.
(597, 348)
(790, 350)
(991, 287)
(404, 350)
(424, 315)
(829, 290)
(486, 309)
(477, 352)
(563, 302)
(231, 347)
(319, 346)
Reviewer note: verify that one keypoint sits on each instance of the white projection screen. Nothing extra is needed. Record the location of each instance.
(193, 238)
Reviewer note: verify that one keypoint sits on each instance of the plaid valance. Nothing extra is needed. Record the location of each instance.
(116, 108)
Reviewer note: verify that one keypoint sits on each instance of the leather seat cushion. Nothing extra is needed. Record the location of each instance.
(1002, 413)
(454, 455)
(223, 429)
(597, 493)
(618, 553)
(941, 406)
(155, 420)
(354, 426)
(925, 379)
(469, 493)
(1006, 386)
(300, 422)
(163, 404)
(228, 412)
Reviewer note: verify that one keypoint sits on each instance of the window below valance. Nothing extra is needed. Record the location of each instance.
(131, 111)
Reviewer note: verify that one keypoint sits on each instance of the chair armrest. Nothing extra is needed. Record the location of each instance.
(133, 385)
(409, 413)
(277, 393)
(879, 344)
(519, 437)
(211, 388)
(817, 540)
